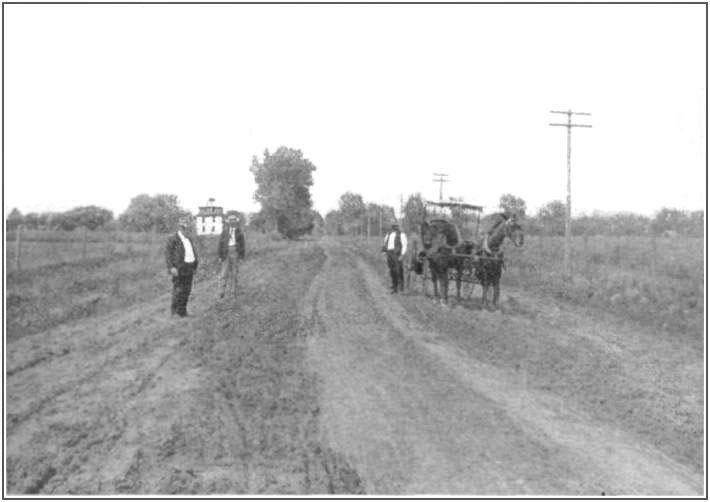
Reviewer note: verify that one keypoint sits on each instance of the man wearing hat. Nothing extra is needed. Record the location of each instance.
(395, 247)
(181, 259)
(230, 251)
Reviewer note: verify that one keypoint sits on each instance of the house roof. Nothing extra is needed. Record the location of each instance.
(210, 211)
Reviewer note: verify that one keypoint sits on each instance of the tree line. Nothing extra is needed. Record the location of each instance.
(283, 183)
(145, 213)
(550, 220)
(284, 179)
(354, 215)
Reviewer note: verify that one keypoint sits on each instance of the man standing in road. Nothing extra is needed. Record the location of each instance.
(395, 247)
(230, 251)
(181, 259)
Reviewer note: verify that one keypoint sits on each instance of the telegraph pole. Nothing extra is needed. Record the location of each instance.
(401, 207)
(380, 212)
(441, 182)
(568, 216)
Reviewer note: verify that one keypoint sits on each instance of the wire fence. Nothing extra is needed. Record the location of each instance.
(28, 249)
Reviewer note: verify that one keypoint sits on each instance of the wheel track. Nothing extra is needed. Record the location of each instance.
(634, 469)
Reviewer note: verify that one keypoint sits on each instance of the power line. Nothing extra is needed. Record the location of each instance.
(568, 216)
(441, 182)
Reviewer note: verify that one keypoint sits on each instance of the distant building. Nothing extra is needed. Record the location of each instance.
(210, 219)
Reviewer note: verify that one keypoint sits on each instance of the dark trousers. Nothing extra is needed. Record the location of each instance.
(396, 271)
(182, 285)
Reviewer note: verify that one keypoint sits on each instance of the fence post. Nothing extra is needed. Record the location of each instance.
(83, 244)
(18, 246)
(654, 262)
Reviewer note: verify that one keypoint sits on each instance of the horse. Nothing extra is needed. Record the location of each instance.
(489, 254)
(439, 239)
(446, 250)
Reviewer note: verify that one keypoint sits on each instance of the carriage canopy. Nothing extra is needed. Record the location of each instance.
(467, 217)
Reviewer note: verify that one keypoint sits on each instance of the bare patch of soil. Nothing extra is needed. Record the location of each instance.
(138, 402)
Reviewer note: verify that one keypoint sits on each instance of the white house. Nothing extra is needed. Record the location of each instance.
(210, 219)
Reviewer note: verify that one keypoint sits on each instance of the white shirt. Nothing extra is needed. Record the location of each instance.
(391, 237)
(232, 239)
(189, 252)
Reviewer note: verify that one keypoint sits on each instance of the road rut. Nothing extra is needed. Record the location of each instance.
(418, 414)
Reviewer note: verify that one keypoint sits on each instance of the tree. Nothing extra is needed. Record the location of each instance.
(388, 217)
(257, 222)
(242, 217)
(334, 223)
(552, 217)
(318, 220)
(35, 220)
(513, 205)
(159, 213)
(414, 211)
(667, 219)
(62, 221)
(14, 219)
(353, 210)
(91, 217)
(626, 223)
(696, 223)
(283, 189)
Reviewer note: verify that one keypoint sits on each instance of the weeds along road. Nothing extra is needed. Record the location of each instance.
(316, 380)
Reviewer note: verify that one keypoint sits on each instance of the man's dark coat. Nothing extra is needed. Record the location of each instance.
(223, 248)
(175, 254)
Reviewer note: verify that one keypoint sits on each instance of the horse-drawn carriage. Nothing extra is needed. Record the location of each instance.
(456, 248)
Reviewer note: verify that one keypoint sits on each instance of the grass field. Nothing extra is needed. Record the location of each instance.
(62, 277)
(56, 284)
(659, 284)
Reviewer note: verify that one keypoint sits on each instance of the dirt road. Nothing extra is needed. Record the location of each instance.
(316, 380)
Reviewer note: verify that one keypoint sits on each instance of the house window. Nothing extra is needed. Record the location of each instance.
(203, 229)
(213, 219)
(212, 229)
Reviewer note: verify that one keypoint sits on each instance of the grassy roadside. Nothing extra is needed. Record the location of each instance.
(661, 287)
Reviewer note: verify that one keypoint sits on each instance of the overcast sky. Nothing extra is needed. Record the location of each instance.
(104, 102)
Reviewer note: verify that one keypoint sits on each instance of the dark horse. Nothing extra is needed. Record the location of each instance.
(489, 254)
(445, 250)
(440, 238)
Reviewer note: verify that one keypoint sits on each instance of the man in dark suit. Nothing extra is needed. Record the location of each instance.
(230, 251)
(181, 259)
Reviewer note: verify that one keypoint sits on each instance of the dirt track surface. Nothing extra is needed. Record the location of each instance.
(316, 380)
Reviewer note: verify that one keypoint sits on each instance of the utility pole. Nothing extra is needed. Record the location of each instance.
(401, 207)
(380, 211)
(568, 216)
(441, 182)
